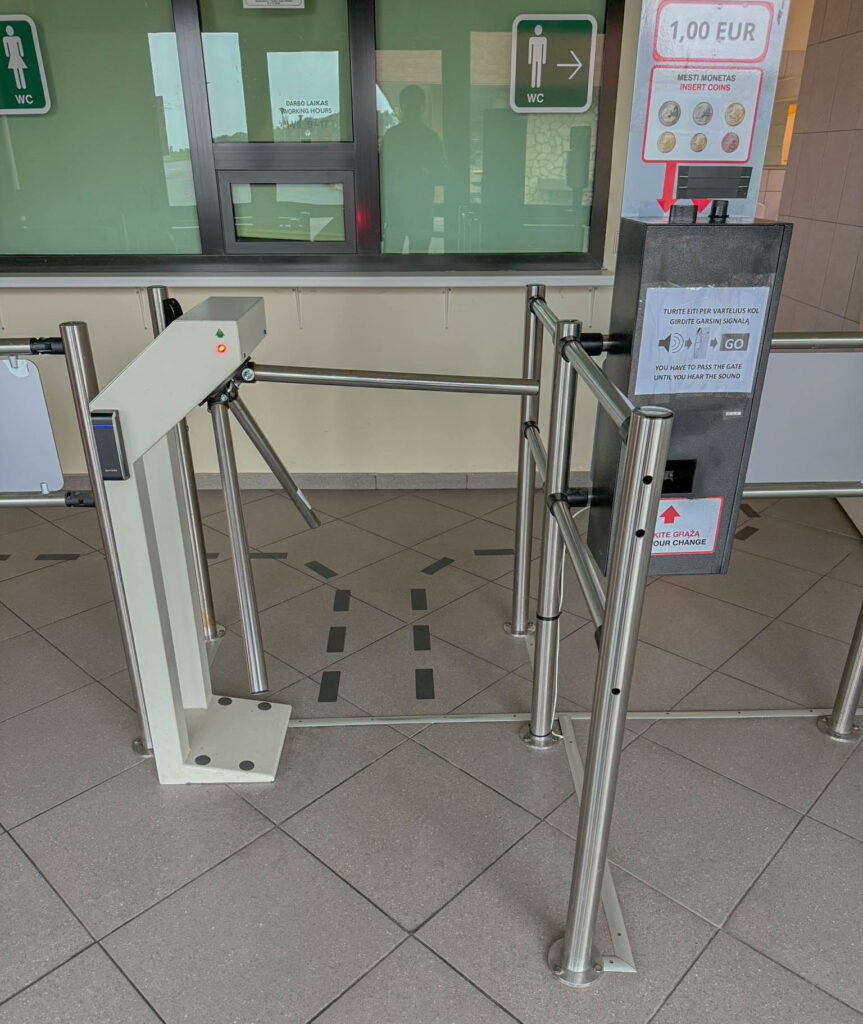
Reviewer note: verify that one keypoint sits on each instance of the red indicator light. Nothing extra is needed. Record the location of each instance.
(221, 349)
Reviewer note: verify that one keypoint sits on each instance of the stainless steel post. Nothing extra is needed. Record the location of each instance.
(240, 550)
(254, 433)
(156, 296)
(839, 725)
(538, 733)
(85, 387)
(518, 625)
(573, 958)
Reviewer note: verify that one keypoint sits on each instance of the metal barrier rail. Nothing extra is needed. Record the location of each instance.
(398, 381)
(616, 612)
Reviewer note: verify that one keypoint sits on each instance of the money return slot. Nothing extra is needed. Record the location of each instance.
(692, 317)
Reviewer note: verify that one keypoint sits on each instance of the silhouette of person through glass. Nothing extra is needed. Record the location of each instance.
(412, 163)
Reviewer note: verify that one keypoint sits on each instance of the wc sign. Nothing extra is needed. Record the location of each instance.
(553, 57)
(23, 88)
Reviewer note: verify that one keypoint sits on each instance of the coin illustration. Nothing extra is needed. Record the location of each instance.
(735, 114)
(698, 142)
(669, 113)
(730, 142)
(703, 113)
(666, 142)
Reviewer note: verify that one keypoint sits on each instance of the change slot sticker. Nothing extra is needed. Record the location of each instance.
(700, 340)
(687, 526)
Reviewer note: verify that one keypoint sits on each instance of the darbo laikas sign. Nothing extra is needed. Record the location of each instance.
(701, 340)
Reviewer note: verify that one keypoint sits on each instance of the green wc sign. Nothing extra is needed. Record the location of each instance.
(553, 58)
(23, 88)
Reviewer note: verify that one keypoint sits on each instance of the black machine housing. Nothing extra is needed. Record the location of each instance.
(713, 431)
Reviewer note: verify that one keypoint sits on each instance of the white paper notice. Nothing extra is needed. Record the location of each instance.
(687, 526)
(697, 340)
(290, 4)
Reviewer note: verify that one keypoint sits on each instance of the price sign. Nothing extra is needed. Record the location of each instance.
(693, 30)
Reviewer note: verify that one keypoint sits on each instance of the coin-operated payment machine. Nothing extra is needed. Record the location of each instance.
(692, 319)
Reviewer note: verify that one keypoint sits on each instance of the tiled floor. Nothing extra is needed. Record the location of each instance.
(417, 875)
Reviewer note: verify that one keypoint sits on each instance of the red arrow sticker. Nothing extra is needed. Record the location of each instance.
(687, 526)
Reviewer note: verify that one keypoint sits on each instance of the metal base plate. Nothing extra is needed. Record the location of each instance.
(575, 979)
(237, 741)
(531, 629)
(823, 724)
(537, 742)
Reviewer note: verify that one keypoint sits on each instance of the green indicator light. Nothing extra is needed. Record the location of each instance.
(220, 333)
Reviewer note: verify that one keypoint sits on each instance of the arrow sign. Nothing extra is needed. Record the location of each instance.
(669, 515)
(577, 66)
(667, 200)
(702, 204)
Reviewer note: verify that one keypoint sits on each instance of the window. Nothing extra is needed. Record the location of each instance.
(107, 169)
(372, 134)
(461, 172)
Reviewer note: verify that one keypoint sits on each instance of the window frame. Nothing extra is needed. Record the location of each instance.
(216, 164)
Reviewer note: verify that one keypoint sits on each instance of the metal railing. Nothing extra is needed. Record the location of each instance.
(615, 606)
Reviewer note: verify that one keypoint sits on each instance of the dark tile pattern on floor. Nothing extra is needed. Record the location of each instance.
(419, 874)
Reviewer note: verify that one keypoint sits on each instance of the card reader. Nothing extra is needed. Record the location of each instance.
(109, 443)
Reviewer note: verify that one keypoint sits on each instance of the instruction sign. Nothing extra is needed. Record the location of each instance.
(705, 81)
(23, 87)
(687, 526)
(700, 340)
(294, 4)
(553, 58)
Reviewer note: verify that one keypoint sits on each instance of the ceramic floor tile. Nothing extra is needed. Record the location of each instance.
(787, 759)
(410, 831)
(274, 582)
(14, 519)
(413, 984)
(760, 584)
(802, 546)
(692, 834)
(796, 663)
(505, 516)
(699, 628)
(341, 503)
(408, 520)
(850, 569)
(62, 748)
(38, 931)
(831, 607)
(24, 546)
(512, 914)
(573, 596)
(212, 500)
(475, 623)
(747, 987)
(247, 940)
(473, 501)
(59, 591)
(298, 631)
(118, 848)
(339, 547)
(495, 754)
(382, 678)
(315, 760)
(87, 989)
(85, 528)
(822, 513)
(840, 804)
(34, 672)
(10, 625)
(229, 673)
(268, 520)
(91, 639)
(463, 543)
(391, 585)
(659, 679)
(805, 914)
